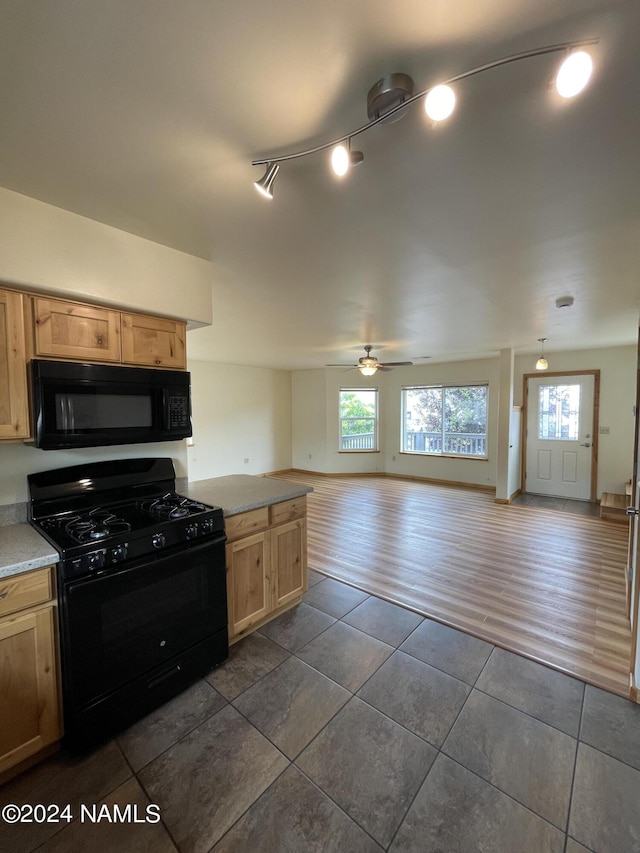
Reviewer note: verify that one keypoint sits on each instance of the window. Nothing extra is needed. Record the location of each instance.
(445, 420)
(359, 419)
(559, 412)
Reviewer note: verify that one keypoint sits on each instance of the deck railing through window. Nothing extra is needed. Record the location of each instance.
(460, 443)
(362, 441)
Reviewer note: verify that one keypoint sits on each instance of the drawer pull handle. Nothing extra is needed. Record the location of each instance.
(4, 594)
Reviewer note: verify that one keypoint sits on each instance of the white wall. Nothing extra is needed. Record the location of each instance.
(315, 408)
(46, 248)
(315, 395)
(617, 367)
(18, 459)
(309, 420)
(239, 413)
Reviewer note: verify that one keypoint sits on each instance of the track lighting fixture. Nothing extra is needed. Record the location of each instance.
(390, 98)
(542, 363)
(265, 184)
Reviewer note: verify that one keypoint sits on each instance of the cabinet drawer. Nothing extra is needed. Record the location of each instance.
(246, 523)
(288, 510)
(20, 591)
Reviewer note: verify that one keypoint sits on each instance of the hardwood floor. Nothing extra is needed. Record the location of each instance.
(548, 585)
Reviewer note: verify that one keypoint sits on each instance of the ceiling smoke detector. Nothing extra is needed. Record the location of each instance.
(564, 302)
(389, 92)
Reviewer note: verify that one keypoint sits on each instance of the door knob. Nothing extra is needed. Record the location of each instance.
(585, 445)
(631, 510)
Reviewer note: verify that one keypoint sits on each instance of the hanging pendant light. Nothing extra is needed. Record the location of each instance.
(542, 363)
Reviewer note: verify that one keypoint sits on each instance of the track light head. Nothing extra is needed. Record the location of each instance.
(440, 103)
(343, 158)
(574, 74)
(265, 184)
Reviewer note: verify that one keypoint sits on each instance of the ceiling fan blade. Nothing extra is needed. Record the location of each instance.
(341, 365)
(396, 364)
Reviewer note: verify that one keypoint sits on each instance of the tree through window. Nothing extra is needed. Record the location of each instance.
(445, 420)
(359, 419)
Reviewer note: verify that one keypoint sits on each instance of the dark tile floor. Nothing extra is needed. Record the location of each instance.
(351, 724)
(558, 504)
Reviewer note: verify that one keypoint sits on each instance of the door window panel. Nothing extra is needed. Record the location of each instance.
(559, 412)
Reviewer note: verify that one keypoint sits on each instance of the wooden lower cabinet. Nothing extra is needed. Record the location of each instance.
(29, 713)
(248, 581)
(288, 550)
(266, 570)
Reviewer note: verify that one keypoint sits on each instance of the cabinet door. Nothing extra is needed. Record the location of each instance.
(248, 581)
(71, 330)
(14, 420)
(289, 561)
(153, 341)
(29, 717)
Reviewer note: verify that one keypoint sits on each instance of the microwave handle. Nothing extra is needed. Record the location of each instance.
(67, 418)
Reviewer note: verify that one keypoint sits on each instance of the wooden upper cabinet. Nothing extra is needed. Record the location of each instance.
(72, 330)
(153, 341)
(14, 418)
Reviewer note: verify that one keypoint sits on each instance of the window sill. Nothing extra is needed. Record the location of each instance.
(443, 455)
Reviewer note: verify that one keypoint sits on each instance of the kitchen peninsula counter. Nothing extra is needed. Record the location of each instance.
(239, 493)
(22, 548)
(266, 550)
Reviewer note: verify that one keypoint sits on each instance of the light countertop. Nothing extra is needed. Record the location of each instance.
(22, 548)
(243, 492)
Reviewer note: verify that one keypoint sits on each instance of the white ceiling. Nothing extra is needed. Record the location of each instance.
(450, 241)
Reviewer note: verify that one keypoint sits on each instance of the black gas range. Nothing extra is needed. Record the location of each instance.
(141, 588)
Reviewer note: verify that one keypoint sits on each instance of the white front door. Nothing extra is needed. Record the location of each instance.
(560, 435)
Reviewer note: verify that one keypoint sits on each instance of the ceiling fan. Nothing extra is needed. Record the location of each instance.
(369, 364)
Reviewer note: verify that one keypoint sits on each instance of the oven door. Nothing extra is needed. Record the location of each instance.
(119, 626)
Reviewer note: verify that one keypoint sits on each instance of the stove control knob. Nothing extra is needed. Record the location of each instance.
(207, 526)
(191, 531)
(158, 540)
(119, 553)
(95, 561)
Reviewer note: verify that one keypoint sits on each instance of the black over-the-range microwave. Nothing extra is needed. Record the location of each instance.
(93, 405)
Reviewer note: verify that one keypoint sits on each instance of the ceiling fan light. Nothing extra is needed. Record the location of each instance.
(367, 369)
(440, 103)
(265, 184)
(574, 74)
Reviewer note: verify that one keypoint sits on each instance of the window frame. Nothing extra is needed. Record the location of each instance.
(439, 453)
(376, 420)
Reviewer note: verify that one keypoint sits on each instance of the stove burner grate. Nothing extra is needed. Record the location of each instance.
(93, 526)
(172, 506)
